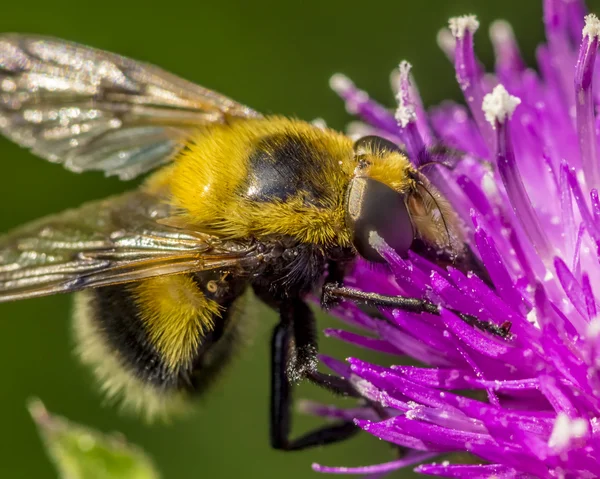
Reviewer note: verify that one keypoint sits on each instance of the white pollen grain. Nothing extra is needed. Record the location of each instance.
(405, 113)
(459, 25)
(565, 430)
(404, 68)
(499, 105)
(559, 437)
(376, 241)
(579, 428)
(592, 27)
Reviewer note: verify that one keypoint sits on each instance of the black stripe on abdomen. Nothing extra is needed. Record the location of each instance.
(117, 318)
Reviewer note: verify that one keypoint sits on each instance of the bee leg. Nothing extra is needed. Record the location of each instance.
(297, 321)
(467, 260)
(333, 384)
(333, 293)
(337, 270)
(280, 386)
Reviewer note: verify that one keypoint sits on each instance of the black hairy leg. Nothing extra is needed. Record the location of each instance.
(293, 357)
(333, 293)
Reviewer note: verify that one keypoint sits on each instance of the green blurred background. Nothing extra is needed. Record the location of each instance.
(276, 57)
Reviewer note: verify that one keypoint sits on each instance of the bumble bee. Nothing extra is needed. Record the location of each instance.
(241, 203)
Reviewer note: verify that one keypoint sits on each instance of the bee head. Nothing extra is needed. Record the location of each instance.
(391, 198)
(372, 206)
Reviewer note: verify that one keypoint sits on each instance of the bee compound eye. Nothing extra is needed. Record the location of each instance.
(372, 206)
(375, 144)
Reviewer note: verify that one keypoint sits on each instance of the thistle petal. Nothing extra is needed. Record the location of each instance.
(534, 407)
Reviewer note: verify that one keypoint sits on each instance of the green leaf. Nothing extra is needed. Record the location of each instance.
(82, 453)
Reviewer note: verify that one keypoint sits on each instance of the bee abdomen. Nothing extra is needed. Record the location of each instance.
(147, 342)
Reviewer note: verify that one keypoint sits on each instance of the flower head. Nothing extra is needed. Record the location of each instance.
(533, 217)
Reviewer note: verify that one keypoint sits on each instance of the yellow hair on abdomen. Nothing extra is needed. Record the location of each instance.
(117, 381)
(207, 179)
(176, 315)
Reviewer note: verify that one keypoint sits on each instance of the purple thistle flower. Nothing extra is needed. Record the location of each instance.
(534, 219)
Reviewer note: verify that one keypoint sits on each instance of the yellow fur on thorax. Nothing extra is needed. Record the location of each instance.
(176, 315)
(393, 169)
(207, 179)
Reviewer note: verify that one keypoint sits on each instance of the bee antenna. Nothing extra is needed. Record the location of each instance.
(447, 157)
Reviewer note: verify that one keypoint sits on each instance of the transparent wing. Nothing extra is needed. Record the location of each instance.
(112, 241)
(94, 110)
